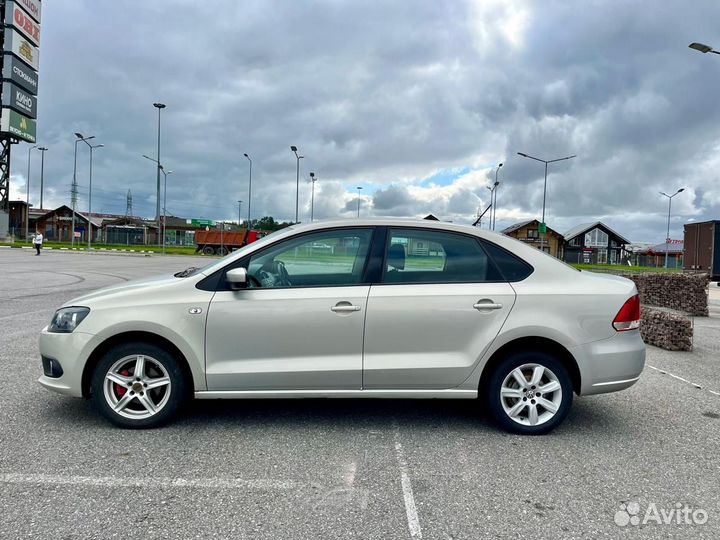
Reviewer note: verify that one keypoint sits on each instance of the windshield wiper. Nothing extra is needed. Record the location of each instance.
(186, 272)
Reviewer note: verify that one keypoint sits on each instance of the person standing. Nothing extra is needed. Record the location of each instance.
(37, 241)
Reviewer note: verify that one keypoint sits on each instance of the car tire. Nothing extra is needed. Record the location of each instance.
(537, 406)
(138, 400)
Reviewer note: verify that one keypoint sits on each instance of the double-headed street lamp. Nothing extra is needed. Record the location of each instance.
(27, 197)
(73, 197)
(92, 147)
(249, 194)
(159, 107)
(297, 180)
(545, 161)
(313, 179)
(667, 237)
(358, 200)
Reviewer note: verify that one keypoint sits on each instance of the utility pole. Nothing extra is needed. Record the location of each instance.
(239, 214)
(128, 205)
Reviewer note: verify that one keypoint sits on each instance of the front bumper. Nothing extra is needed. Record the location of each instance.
(611, 364)
(71, 352)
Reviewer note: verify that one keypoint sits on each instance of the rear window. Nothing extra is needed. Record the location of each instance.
(512, 267)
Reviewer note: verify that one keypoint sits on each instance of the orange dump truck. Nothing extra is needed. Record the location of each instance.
(221, 243)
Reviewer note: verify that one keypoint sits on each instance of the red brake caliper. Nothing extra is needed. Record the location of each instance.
(120, 390)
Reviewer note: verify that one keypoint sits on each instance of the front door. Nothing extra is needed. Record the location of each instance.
(440, 305)
(299, 324)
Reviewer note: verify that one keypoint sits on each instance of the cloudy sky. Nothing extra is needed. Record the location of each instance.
(415, 101)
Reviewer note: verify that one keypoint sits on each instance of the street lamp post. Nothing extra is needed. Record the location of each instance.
(313, 179)
(164, 209)
(358, 200)
(90, 189)
(27, 197)
(249, 193)
(297, 180)
(42, 150)
(667, 236)
(495, 190)
(545, 161)
(159, 107)
(73, 197)
(490, 206)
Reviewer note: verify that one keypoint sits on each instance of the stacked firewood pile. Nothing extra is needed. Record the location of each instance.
(666, 328)
(681, 292)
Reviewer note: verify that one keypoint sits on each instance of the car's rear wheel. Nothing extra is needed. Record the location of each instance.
(530, 393)
(138, 385)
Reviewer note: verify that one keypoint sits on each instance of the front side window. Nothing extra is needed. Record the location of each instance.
(321, 259)
(420, 256)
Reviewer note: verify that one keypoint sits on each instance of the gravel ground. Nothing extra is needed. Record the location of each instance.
(343, 469)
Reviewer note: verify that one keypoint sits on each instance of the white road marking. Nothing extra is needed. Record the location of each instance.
(664, 372)
(410, 510)
(153, 483)
(349, 476)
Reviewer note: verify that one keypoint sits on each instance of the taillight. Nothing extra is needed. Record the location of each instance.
(628, 318)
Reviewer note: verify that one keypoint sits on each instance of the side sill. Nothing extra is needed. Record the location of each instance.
(299, 394)
(625, 381)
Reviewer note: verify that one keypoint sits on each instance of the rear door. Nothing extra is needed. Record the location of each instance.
(440, 304)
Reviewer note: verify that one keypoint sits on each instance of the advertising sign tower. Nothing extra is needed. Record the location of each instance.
(20, 32)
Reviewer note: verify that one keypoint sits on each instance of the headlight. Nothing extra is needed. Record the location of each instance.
(67, 319)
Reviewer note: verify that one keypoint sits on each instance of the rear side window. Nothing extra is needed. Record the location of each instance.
(512, 267)
(423, 256)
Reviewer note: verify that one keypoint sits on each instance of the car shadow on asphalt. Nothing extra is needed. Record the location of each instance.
(594, 416)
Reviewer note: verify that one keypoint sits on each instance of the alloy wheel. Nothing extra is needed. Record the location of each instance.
(137, 387)
(531, 394)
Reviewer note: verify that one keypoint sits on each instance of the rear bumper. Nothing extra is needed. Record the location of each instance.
(610, 364)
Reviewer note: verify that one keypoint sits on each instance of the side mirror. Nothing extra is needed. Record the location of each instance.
(237, 278)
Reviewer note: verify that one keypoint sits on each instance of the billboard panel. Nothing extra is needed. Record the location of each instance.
(32, 7)
(16, 71)
(16, 98)
(19, 126)
(17, 17)
(21, 47)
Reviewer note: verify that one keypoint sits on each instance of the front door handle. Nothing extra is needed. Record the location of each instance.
(344, 307)
(486, 303)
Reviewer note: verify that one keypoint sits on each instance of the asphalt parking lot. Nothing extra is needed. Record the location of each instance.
(344, 469)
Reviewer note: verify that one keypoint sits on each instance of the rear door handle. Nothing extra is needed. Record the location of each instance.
(344, 308)
(486, 304)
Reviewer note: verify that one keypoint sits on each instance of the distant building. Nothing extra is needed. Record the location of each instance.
(529, 232)
(655, 255)
(594, 243)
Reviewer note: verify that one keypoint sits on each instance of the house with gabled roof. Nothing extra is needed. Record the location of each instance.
(529, 232)
(594, 243)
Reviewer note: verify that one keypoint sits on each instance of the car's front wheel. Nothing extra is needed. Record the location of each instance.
(530, 393)
(138, 385)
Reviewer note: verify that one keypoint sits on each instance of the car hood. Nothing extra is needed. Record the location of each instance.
(130, 287)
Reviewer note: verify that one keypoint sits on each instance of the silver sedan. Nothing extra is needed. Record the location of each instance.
(355, 309)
